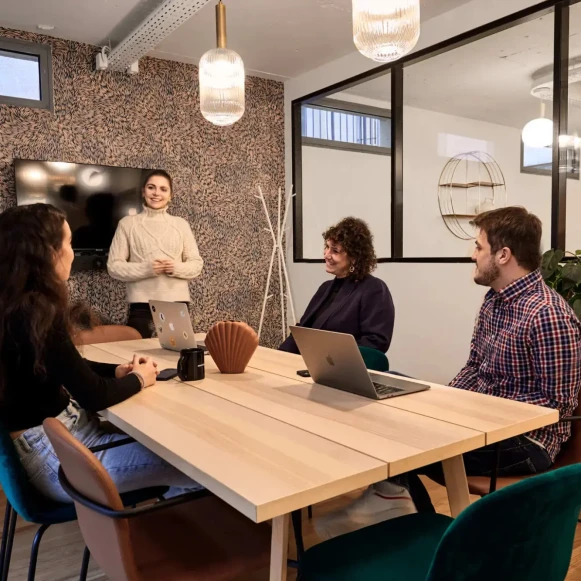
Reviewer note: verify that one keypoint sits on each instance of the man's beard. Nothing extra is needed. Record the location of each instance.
(486, 276)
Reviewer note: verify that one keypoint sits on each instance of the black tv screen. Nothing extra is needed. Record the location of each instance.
(94, 197)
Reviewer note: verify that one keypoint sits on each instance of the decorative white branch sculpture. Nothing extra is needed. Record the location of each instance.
(277, 250)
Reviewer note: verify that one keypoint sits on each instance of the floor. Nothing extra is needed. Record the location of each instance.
(62, 546)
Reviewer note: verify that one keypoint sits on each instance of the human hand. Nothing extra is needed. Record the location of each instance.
(123, 370)
(146, 368)
(158, 266)
(144, 359)
(169, 266)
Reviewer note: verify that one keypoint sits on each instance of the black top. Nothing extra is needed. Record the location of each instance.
(361, 308)
(319, 313)
(27, 399)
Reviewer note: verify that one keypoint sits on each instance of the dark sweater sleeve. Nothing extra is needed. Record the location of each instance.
(377, 317)
(93, 392)
(102, 369)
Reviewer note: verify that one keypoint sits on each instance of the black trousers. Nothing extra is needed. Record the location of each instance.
(518, 457)
(141, 320)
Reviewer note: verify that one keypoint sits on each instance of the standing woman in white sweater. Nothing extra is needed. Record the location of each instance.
(154, 253)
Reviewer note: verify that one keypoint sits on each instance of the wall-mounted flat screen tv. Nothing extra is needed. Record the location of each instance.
(94, 197)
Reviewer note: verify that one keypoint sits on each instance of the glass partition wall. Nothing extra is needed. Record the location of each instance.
(346, 163)
(419, 147)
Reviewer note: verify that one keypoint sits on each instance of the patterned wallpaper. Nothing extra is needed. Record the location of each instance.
(152, 120)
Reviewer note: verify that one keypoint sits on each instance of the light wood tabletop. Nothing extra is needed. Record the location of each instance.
(402, 439)
(263, 467)
(498, 418)
(269, 442)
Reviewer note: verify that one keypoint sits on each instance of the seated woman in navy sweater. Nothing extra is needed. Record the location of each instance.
(354, 302)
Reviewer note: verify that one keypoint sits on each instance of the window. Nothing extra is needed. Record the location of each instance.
(343, 125)
(539, 160)
(25, 74)
(345, 152)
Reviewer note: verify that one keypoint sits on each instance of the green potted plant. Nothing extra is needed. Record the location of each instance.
(565, 278)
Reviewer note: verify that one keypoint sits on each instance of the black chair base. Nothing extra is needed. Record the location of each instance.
(7, 541)
(8, 533)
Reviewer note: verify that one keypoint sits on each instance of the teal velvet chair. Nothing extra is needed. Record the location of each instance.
(374, 359)
(523, 532)
(24, 500)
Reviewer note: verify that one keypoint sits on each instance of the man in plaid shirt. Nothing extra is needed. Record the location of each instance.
(526, 346)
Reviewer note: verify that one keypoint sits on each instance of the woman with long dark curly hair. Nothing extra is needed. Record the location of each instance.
(354, 302)
(42, 375)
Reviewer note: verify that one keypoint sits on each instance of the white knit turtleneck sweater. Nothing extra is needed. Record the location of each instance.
(151, 235)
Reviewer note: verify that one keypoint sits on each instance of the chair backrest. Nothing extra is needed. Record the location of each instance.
(374, 359)
(522, 532)
(106, 334)
(23, 497)
(108, 539)
(571, 451)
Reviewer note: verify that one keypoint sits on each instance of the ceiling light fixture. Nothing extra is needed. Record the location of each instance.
(221, 73)
(386, 30)
(45, 27)
(538, 132)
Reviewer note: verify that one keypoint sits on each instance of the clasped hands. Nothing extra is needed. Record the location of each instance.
(165, 266)
(145, 366)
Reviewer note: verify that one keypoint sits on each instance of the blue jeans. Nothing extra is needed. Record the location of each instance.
(519, 456)
(131, 466)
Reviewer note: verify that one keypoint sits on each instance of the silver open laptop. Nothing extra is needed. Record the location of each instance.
(173, 325)
(334, 360)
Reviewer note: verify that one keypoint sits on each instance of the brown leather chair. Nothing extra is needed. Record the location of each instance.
(106, 334)
(570, 454)
(178, 539)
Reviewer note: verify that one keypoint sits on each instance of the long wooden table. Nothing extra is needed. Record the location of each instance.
(269, 442)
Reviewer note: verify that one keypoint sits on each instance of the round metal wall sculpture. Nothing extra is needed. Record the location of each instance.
(469, 184)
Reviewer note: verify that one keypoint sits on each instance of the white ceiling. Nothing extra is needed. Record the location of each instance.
(488, 80)
(276, 38)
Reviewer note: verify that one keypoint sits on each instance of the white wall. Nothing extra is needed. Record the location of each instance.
(339, 183)
(435, 303)
(426, 134)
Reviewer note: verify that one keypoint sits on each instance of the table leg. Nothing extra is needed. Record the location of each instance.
(279, 548)
(456, 484)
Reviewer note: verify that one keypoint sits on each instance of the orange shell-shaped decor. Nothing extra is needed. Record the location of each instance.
(231, 345)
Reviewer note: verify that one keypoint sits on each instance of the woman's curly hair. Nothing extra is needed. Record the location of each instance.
(356, 239)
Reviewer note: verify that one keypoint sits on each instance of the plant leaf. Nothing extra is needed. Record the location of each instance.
(567, 286)
(572, 271)
(550, 262)
(577, 308)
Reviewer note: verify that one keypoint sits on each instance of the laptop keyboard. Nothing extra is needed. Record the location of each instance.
(382, 389)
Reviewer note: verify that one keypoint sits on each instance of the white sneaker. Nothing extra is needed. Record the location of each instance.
(382, 501)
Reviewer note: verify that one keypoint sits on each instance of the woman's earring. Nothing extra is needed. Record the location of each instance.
(351, 268)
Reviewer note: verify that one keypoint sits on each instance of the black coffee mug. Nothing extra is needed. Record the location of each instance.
(191, 364)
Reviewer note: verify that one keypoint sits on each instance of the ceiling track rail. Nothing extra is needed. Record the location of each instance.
(155, 28)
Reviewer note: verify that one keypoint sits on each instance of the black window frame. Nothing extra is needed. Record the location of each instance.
(559, 175)
(44, 54)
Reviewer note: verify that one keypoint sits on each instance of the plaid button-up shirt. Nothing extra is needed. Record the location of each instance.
(527, 347)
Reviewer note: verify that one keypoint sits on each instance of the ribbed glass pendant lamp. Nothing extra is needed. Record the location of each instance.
(221, 73)
(386, 30)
